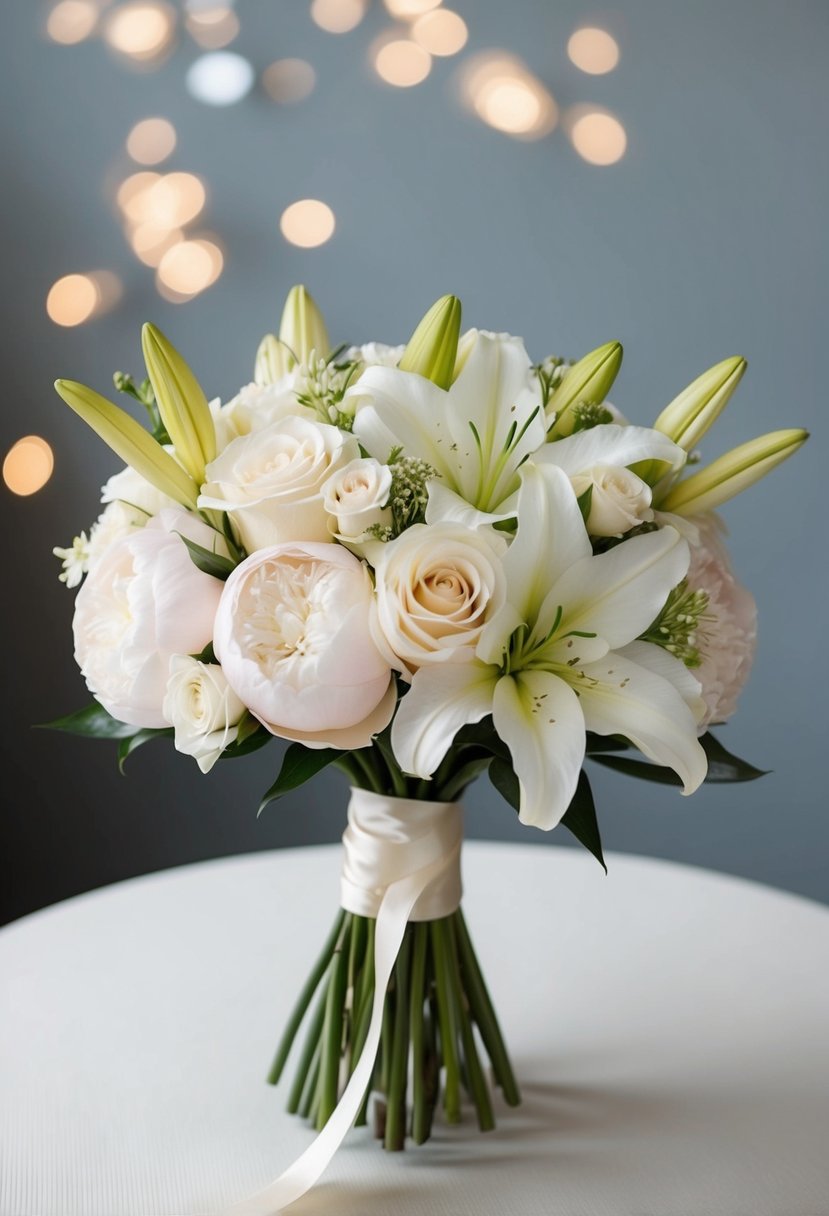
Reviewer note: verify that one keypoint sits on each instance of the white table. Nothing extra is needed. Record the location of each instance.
(670, 1027)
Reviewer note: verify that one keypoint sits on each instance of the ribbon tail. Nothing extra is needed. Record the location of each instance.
(392, 917)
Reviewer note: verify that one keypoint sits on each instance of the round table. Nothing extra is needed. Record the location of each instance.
(669, 1027)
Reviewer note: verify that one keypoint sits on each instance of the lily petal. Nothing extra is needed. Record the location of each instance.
(441, 699)
(620, 446)
(408, 407)
(661, 663)
(551, 537)
(618, 594)
(539, 718)
(619, 697)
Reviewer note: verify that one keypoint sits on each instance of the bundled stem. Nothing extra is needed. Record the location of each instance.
(437, 1016)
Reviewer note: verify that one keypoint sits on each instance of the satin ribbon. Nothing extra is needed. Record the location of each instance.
(401, 862)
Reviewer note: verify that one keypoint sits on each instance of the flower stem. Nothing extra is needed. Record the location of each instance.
(304, 1000)
(482, 1010)
(448, 1022)
(332, 1032)
(399, 1066)
(421, 1121)
(476, 1082)
(309, 1047)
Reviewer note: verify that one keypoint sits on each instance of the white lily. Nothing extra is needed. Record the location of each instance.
(550, 665)
(475, 435)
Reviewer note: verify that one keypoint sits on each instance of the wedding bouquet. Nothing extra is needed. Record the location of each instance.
(418, 564)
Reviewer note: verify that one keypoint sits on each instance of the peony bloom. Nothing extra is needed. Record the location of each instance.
(203, 708)
(437, 586)
(293, 636)
(270, 482)
(143, 602)
(727, 635)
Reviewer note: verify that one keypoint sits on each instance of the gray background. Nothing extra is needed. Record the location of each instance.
(707, 239)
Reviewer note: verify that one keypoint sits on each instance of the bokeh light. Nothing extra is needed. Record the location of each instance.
(213, 26)
(72, 21)
(76, 298)
(402, 63)
(506, 95)
(289, 80)
(150, 241)
(188, 268)
(28, 465)
(593, 50)
(338, 16)
(598, 136)
(409, 10)
(220, 78)
(72, 299)
(151, 141)
(141, 30)
(307, 223)
(165, 200)
(441, 32)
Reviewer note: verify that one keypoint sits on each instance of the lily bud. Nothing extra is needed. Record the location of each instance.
(181, 403)
(130, 441)
(698, 406)
(302, 328)
(732, 473)
(588, 380)
(433, 347)
(273, 361)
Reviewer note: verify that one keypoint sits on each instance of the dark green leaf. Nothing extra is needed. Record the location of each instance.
(475, 760)
(127, 746)
(299, 764)
(207, 655)
(502, 775)
(639, 768)
(252, 735)
(606, 743)
(722, 766)
(209, 563)
(580, 819)
(93, 721)
(585, 502)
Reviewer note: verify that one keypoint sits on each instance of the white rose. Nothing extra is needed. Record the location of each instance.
(294, 639)
(202, 708)
(356, 496)
(143, 602)
(620, 500)
(437, 585)
(133, 490)
(374, 354)
(270, 481)
(256, 406)
(115, 522)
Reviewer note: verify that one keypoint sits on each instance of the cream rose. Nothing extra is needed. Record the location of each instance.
(143, 602)
(270, 481)
(356, 497)
(256, 406)
(619, 501)
(437, 585)
(294, 639)
(202, 708)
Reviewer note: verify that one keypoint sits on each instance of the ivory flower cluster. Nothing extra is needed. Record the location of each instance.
(379, 547)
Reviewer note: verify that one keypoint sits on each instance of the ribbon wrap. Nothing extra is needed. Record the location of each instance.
(401, 862)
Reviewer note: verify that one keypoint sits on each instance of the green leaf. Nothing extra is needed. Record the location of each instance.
(585, 501)
(606, 743)
(502, 775)
(93, 721)
(580, 819)
(209, 563)
(127, 746)
(722, 766)
(299, 764)
(475, 760)
(250, 737)
(207, 655)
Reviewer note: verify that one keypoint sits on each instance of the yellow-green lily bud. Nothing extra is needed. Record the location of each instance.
(694, 411)
(273, 360)
(302, 328)
(732, 473)
(181, 403)
(130, 441)
(588, 380)
(433, 347)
